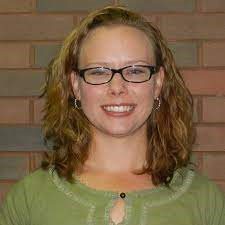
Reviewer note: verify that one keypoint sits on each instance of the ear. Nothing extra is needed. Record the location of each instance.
(75, 83)
(159, 77)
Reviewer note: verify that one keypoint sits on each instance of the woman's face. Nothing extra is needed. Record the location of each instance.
(116, 47)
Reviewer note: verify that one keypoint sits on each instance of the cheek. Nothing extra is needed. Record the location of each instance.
(146, 100)
(146, 93)
(89, 96)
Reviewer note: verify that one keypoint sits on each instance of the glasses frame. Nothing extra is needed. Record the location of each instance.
(152, 69)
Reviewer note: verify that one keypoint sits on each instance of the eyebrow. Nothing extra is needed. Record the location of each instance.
(109, 64)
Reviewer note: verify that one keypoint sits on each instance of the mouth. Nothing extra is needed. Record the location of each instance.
(117, 110)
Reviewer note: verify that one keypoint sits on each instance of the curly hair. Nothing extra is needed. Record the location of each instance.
(169, 130)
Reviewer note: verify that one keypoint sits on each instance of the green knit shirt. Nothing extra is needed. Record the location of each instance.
(42, 198)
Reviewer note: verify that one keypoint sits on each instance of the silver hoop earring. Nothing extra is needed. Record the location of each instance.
(158, 103)
(77, 103)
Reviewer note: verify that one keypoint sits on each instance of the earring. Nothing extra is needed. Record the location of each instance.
(159, 103)
(77, 103)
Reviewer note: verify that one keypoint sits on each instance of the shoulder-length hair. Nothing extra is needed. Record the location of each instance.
(169, 131)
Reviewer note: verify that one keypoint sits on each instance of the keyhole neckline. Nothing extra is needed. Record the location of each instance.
(122, 194)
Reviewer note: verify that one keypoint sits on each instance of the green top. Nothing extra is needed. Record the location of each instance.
(42, 198)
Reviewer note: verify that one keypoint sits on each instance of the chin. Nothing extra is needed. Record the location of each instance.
(120, 130)
(119, 133)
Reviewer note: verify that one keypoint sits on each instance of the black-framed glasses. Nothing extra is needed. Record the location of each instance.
(103, 75)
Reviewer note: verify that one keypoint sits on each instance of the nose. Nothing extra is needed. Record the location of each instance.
(117, 85)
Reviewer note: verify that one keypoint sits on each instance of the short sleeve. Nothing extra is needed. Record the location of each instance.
(15, 209)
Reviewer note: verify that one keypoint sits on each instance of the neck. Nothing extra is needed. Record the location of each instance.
(117, 155)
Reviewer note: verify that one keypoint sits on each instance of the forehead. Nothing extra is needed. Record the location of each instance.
(114, 44)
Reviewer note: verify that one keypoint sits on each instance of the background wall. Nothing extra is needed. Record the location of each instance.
(31, 32)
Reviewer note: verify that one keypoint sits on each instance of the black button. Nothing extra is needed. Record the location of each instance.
(122, 195)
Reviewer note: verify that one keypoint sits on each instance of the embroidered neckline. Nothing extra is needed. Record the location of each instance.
(61, 183)
(154, 197)
(134, 193)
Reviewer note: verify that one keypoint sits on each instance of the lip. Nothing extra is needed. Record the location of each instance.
(118, 114)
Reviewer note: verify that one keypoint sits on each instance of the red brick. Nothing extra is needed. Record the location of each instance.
(214, 165)
(211, 138)
(14, 111)
(16, 5)
(70, 5)
(193, 26)
(160, 5)
(214, 54)
(38, 107)
(213, 6)
(205, 82)
(4, 188)
(14, 55)
(213, 109)
(195, 113)
(35, 27)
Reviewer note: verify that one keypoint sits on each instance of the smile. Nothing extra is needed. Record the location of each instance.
(121, 108)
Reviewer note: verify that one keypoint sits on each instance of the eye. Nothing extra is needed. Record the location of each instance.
(135, 71)
(98, 71)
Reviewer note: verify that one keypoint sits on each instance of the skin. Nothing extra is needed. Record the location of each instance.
(116, 138)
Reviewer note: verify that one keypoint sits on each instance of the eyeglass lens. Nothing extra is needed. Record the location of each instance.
(103, 75)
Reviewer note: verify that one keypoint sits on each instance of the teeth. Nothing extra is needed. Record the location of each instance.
(118, 108)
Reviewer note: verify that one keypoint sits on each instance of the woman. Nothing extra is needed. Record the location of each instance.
(119, 118)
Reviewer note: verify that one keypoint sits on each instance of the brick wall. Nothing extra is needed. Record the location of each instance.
(31, 33)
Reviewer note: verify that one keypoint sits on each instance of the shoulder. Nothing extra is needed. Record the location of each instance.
(203, 196)
(22, 196)
(194, 187)
(209, 198)
(195, 182)
(204, 185)
(30, 186)
(33, 180)
(191, 179)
